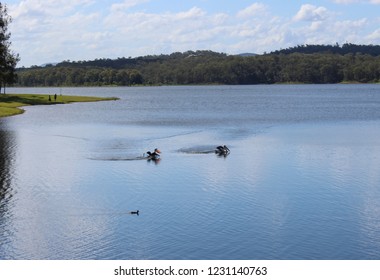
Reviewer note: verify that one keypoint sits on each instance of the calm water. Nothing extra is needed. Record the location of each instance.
(302, 180)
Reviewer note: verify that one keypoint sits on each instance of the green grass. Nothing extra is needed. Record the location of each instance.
(9, 103)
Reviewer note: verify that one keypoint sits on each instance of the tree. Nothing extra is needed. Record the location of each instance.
(8, 59)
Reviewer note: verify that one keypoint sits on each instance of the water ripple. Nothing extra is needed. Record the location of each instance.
(301, 181)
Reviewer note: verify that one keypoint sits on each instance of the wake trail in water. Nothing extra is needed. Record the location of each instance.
(71, 137)
(174, 135)
(120, 159)
(204, 149)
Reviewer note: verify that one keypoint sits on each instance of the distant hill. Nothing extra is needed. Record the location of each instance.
(247, 54)
(49, 64)
(347, 48)
(123, 62)
(300, 64)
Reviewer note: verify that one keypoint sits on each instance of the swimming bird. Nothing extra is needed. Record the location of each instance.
(222, 150)
(134, 212)
(155, 155)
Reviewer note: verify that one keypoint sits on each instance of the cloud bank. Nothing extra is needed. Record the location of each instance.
(57, 30)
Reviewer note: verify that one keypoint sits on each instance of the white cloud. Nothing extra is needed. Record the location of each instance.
(374, 36)
(50, 29)
(253, 10)
(116, 7)
(346, 1)
(47, 8)
(192, 14)
(310, 12)
(329, 32)
(175, 31)
(357, 1)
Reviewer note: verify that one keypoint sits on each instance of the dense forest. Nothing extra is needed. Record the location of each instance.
(300, 64)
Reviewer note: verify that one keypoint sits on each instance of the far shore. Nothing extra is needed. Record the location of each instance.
(207, 84)
(10, 103)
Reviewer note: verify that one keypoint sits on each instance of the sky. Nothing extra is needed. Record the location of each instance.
(49, 31)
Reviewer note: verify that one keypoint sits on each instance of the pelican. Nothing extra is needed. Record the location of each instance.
(222, 150)
(155, 155)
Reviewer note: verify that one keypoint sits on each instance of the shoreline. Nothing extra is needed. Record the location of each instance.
(10, 103)
(202, 84)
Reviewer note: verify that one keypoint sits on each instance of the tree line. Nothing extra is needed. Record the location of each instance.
(346, 48)
(302, 64)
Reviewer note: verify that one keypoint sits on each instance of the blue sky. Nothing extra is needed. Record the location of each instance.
(55, 30)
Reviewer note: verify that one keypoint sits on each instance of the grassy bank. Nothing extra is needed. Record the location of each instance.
(10, 103)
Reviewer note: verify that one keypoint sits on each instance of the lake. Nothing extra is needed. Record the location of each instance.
(302, 180)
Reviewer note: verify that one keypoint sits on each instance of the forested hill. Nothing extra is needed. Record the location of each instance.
(123, 63)
(300, 64)
(373, 50)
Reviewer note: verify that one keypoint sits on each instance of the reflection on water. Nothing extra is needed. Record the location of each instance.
(301, 182)
(5, 168)
(7, 186)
